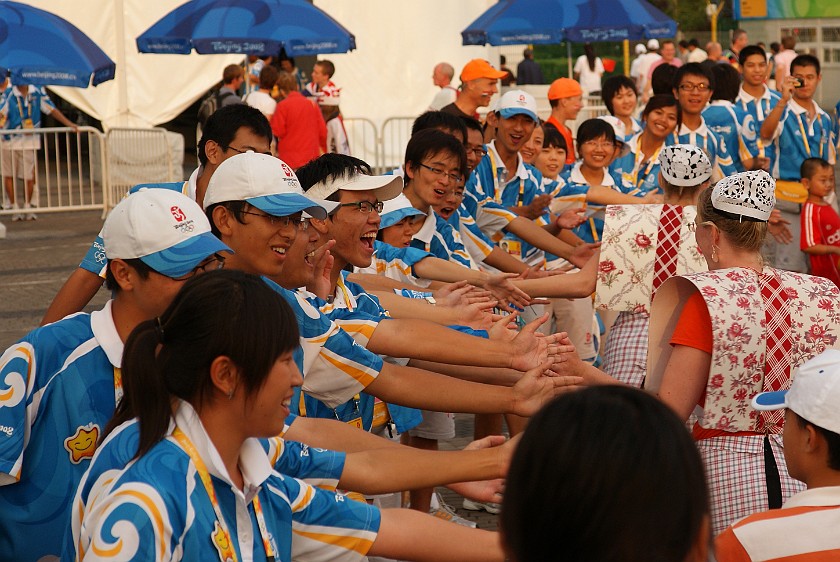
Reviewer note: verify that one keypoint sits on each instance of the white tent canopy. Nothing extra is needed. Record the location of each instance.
(389, 74)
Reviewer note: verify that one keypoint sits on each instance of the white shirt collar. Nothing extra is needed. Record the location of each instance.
(747, 98)
(191, 183)
(427, 231)
(105, 332)
(701, 130)
(576, 176)
(253, 462)
(799, 110)
(828, 495)
(521, 172)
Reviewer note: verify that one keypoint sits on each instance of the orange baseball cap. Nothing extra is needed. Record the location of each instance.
(480, 68)
(564, 88)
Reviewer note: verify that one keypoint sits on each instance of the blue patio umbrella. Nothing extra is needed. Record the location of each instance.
(40, 48)
(517, 22)
(258, 27)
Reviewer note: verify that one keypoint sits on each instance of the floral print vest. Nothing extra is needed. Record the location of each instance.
(629, 249)
(737, 310)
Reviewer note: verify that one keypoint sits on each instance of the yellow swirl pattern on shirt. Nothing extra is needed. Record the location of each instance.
(127, 535)
(14, 384)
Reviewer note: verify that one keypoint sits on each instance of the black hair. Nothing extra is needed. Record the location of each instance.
(222, 126)
(220, 313)
(693, 69)
(471, 123)
(589, 51)
(139, 266)
(832, 441)
(439, 120)
(683, 43)
(727, 82)
(430, 142)
(553, 138)
(749, 51)
(775, 47)
(331, 167)
(612, 86)
(811, 166)
(805, 60)
(662, 79)
(594, 129)
(693, 42)
(235, 208)
(268, 77)
(606, 473)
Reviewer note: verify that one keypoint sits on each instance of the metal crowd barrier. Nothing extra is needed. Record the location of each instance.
(65, 169)
(137, 156)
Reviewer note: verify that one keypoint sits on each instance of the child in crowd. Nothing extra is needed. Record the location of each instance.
(805, 528)
(820, 222)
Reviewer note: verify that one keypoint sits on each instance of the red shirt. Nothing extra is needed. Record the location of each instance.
(567, 134)
(821, 225)
(300, 130)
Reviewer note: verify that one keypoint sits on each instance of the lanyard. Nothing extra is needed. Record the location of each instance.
(497, 190)
(348, 301)
(651, 162)
(805, 137)
(24, 115)
(221, 536)
(118, 387)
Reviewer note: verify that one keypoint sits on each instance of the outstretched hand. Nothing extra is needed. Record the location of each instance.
(539, 386)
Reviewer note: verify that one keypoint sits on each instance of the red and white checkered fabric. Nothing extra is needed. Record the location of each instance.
(777, 366)
(668, 245)
(735, 473)
(626, 348)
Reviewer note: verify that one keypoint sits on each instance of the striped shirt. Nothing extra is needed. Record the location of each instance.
(751, 113)
(798, 139)
(715, 148)
(159, 508)
(805, 529)
(396, 263)
(722, 119)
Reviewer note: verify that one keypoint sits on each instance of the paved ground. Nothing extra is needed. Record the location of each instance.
(37, 256)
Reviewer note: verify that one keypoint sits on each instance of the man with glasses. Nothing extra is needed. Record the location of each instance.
(693, 86)
(230, 130)
(61, 383)
(335, 367)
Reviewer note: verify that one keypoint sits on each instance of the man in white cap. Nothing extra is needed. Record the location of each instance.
(504, 193)
(61, 382)
(645, 61)
(255, 204)
(634, 66)
(805, 528)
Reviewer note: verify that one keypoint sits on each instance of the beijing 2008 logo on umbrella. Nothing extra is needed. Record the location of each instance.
(183, 225)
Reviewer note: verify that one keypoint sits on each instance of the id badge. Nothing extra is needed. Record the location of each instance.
(355, 422)
(512, 247)
(27, 124)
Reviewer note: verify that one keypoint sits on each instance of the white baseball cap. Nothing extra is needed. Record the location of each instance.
(397, 209)
(162, 228)
(814, 394)
(266, 182)
(652, 45)
(516, 102)
(386, 187)
(640, 49)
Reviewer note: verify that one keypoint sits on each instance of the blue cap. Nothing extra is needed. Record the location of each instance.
(182, 258)
(397, 209)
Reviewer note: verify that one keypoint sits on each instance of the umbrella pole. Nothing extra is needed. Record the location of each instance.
(569, 56)
(626, 46)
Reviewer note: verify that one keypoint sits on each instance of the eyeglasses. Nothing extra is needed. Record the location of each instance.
(479, 151)
(244, 151)
(366, 207)
(296, 219)
(206, 265)
(598, 144)
(438, 172)
(689, 87)
(692, 226)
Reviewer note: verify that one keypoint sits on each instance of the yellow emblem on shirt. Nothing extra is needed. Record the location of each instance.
(221, 541)
(82, 444)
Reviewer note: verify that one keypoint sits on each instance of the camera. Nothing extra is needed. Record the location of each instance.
(799, 82)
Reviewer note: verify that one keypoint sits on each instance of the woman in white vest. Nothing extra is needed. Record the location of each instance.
(718, 338)
(642, 247)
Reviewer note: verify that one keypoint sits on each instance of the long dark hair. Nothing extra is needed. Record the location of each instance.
(589, 51)
(606, 473)
(221, 313)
